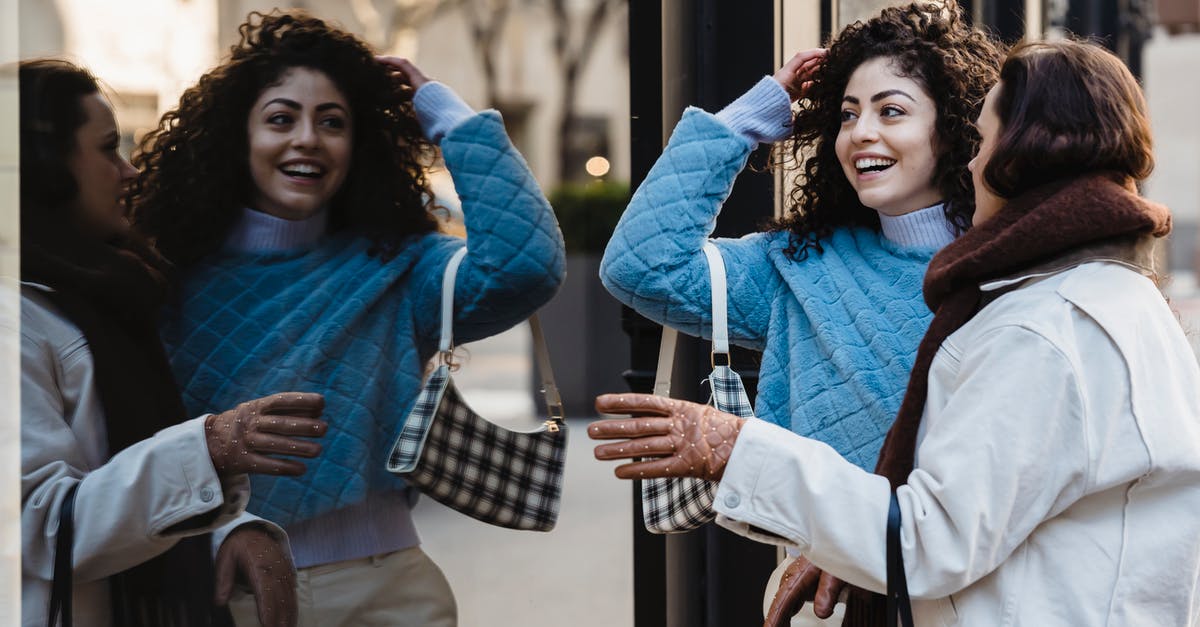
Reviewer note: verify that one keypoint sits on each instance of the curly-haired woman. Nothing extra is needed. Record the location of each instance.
(106, 446)
(832, 293)
(289, 187)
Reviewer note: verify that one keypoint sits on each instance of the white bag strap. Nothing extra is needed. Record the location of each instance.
(720, 311)
(446, 344)
(720, 324)
(541, 353)
(666, 362)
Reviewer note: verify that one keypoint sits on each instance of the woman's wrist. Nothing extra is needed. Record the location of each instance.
(439, 110)
(761, 115)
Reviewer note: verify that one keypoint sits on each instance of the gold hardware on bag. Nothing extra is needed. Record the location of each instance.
(449, 360)
(551, 426)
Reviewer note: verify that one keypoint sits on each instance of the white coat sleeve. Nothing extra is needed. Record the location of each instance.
(128, 510)
(1007, 451)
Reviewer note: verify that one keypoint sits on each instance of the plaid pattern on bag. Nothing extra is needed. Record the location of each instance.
(501, 477)
(407, 449)
(678, 504)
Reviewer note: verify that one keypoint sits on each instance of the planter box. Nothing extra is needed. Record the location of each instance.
(588, 349)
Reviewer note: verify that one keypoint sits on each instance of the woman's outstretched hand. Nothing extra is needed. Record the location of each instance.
(255, 436)
(679, 438)
(404, 69)
(796, 75)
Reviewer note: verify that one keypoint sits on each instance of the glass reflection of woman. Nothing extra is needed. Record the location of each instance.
(102, 424)
(288, 186)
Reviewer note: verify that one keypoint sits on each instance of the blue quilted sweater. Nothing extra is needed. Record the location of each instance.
(838, 331)
(334, 320)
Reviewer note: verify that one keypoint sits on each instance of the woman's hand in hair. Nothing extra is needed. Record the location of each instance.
(796, 75)
(404, 69)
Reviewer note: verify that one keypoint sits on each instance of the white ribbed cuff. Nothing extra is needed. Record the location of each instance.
(439, 110)
(924, 228)
(761, 115)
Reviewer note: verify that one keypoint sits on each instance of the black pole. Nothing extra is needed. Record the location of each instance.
(1006, 18)
(645, 126)
(704, 53)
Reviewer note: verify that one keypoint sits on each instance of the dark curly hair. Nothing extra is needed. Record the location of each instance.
(195, 168)
(930, 43)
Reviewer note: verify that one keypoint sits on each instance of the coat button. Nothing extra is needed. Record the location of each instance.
(732, 500)
(206, 494)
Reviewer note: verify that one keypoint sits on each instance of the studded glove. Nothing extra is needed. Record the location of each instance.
(682, 439)
(803, 583)
(251, 556)
(244, 438)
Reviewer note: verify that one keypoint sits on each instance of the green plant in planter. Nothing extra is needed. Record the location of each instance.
(588, 213)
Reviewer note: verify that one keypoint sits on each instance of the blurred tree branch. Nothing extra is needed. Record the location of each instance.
(573, 45)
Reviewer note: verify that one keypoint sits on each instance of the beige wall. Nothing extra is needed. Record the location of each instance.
(527, 72)
(526, 68)
(10, 547)
(850, 11)
(1172, 99)
(1169, 63)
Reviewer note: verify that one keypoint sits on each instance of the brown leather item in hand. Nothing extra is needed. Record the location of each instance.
(244, 439)
(252, 556)
(803, 583)
(686, 439)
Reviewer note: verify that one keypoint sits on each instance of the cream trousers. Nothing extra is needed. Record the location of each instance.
(400, 589)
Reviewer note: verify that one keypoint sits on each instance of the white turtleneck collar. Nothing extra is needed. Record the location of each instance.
(258, 232)
(924, 228)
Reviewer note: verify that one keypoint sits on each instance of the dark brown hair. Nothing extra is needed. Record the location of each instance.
(930, 43)
(1066, 108)
(110, 289)
(195, 169)
(51, 105)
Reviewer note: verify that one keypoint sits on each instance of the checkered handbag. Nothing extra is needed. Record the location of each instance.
(678, 504)
(505, 478)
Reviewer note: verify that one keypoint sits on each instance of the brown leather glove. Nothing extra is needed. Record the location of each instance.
(688, 439)
(252, 556)
(241, 439)
(803, 583)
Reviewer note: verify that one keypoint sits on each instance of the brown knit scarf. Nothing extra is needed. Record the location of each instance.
(1042, 226)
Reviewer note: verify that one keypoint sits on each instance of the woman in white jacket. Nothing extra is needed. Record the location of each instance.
(1045, 463)
(102, 424)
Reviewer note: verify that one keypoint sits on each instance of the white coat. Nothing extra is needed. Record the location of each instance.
(1057, 475)
(129, 508)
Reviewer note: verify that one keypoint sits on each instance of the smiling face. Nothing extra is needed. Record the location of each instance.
(887, 142)
(99, 169)
(300, 138)
(987, 203)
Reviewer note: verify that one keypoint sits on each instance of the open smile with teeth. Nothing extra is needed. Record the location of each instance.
(873, 164)
(303, 170)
